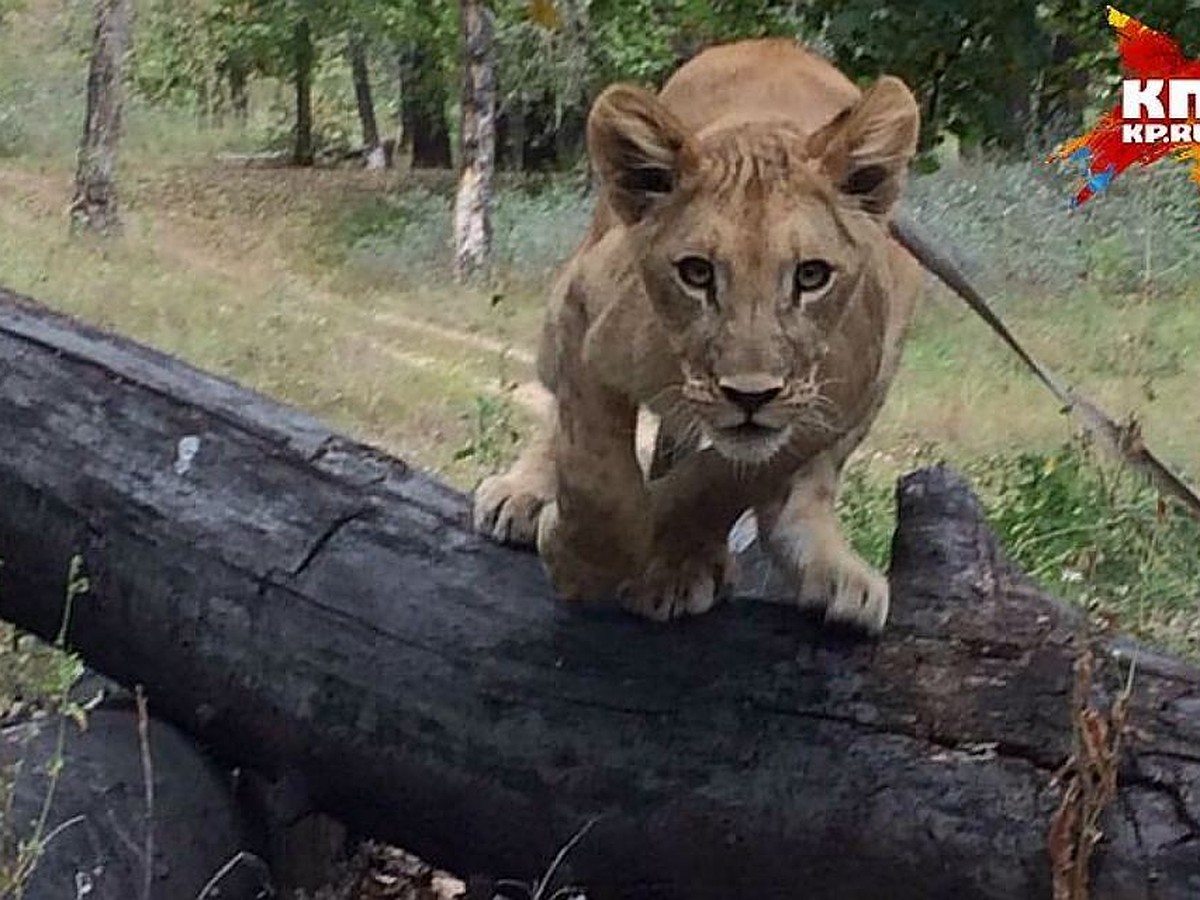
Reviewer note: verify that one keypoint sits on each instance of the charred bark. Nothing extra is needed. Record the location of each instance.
(310, 608)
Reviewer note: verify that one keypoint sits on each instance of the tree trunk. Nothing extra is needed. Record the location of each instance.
(477, 159)
(238, 97)
(94, 206)
(510, 137)
(423, 111)
(372, 149)
(570, 135)
(303, 56)
(308, 607)
(540, 150)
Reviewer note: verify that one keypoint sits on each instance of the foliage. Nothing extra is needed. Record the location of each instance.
(1136, 239)
(37, 108)
(494, 434)
(990, 73)
(175, 49)
(402, 236)
(971, 64)
(1087, 531)
(12, 133)
(1000, 74)
(1105, 538)
(37, 680)
(1139, 236)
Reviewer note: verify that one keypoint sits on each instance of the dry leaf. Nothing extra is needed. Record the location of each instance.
(544, 13)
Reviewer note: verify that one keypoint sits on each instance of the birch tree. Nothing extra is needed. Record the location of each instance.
(94, 206)
(477, 159)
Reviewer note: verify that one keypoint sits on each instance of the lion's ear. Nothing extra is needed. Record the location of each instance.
(639, 149)
(865, 151)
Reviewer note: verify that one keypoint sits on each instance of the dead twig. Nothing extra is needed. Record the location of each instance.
(539, 888)
(212, 886)
(143, 726)
(1089, 780)
(1124, 441)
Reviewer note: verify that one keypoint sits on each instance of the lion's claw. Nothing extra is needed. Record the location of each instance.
(852, 593)
(668, 589)
(506, 511)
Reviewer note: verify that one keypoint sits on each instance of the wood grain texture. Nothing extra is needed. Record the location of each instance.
(309, 607)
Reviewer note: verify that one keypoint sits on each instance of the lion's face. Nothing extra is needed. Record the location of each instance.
(761, 250)
(750, 276)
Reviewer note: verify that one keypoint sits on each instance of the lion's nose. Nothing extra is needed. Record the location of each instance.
(751, 393)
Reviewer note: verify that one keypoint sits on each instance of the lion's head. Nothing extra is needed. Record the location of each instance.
(763, 252)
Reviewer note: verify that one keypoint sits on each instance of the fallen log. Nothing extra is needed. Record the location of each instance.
(306, 606)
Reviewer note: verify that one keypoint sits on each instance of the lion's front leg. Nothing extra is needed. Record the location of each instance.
(659, 548)
(689, 565)
(804, 537)
(595, 533)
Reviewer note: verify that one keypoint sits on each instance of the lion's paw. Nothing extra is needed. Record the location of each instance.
(507, 508)
(850, 591)
(670, 589)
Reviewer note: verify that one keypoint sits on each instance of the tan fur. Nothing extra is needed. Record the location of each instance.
(688, 298)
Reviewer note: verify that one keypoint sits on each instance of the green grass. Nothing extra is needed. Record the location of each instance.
(36, 680)
(1085, 529)
(354, 361)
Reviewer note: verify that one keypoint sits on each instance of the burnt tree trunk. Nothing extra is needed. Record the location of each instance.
(303, 57)
(477, 159)
(423, 110)
(361, 74)
(94, 205)
(310, 608)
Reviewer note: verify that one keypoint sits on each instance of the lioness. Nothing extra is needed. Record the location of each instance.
(738, 280)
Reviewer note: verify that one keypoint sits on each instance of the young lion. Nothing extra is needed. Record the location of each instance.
(738, 281)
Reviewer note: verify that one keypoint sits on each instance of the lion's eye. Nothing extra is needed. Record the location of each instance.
(695, 272)
(812, 275)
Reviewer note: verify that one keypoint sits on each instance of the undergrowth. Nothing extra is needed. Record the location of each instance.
(36, 682)
(1087, 530)
(404, 236)
(494, 434)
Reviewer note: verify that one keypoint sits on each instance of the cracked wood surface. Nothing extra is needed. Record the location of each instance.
(309, 607)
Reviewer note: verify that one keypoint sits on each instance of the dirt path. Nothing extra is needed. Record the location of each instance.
(194, 241)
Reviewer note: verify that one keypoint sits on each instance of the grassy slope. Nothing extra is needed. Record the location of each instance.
(220, 276)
